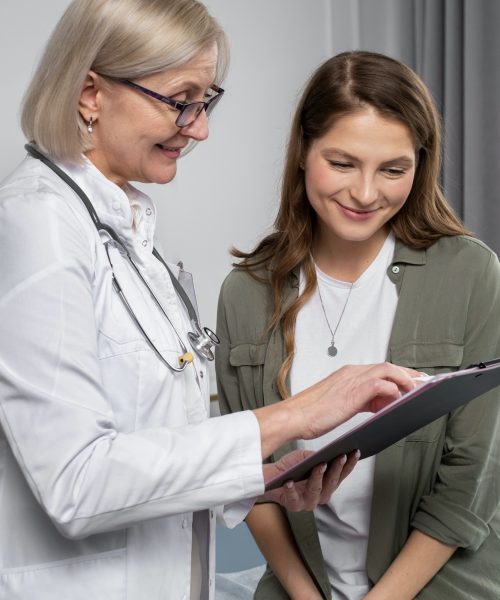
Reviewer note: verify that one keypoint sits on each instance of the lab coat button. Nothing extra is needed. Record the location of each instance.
(116, 205)
(201, 374)
(395, 269)
(148, 211)
(184, 523)
(144, 243)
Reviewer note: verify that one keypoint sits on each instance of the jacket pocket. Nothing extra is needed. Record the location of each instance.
(431, 358)
(99, 576)
(248, 360)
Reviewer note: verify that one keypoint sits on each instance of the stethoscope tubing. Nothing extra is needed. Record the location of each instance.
(202, 340)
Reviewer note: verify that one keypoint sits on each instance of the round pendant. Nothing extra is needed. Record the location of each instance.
(332, 350)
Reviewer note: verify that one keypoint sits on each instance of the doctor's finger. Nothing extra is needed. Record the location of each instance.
(377, 375)
(403, 377)
(374, 393)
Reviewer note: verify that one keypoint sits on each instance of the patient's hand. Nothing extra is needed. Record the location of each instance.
(317, 489)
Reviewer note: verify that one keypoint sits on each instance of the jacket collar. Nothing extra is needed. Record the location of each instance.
(402, 254)
(411, 256)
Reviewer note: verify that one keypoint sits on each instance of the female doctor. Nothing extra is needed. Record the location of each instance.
(109, 465)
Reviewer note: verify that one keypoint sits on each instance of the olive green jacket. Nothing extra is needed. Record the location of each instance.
(444, 479)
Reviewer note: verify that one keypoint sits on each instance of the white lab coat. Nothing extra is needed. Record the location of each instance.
(105, 455)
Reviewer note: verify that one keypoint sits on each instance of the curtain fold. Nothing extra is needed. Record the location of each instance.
(454, 45)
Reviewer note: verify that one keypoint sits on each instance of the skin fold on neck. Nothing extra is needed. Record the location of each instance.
(346, 260)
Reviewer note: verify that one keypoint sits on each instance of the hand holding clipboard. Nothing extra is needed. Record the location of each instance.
(436, 396)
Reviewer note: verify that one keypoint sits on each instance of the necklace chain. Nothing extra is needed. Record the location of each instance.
(332, 349)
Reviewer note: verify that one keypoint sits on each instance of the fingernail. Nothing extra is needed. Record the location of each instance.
(357, 454)
(323, 468)
(343, 460)
(289, 485)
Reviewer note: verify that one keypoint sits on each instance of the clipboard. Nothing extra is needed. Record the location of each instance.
(435, 397)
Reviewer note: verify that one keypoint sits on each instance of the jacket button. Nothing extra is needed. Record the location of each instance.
(395, 269)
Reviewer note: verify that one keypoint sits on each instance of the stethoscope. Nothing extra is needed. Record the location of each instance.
(203, 340)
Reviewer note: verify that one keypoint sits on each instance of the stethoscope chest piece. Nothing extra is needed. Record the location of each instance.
(203, 341)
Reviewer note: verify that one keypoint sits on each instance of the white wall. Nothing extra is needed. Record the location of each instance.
(226, 190)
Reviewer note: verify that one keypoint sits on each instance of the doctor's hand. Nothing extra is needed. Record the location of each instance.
(351, 389)
(317, 489)
(332, 401)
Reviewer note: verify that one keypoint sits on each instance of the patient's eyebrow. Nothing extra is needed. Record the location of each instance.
(404, 160)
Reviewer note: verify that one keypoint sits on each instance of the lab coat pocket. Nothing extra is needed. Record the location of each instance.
(98, 576)
(248, 360)
(118, 331)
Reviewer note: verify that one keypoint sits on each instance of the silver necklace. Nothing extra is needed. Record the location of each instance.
(332, 348)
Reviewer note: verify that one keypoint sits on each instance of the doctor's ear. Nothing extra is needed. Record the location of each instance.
(90, 104)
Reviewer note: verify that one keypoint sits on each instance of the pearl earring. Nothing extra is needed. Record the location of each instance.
(90, 129)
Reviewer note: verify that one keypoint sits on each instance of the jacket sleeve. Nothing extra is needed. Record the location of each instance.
(86, 472)
(466, 493)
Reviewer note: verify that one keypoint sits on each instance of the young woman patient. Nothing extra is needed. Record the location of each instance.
(368, 262)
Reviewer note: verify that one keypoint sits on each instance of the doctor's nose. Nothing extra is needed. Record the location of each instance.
(198, 129)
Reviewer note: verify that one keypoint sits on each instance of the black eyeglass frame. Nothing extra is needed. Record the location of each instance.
(188, 111)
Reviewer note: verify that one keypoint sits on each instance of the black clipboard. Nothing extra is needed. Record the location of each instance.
(432, 399)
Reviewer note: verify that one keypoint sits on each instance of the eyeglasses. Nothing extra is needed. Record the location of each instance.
(189, 111)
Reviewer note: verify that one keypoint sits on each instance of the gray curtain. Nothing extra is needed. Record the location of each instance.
(454, 45)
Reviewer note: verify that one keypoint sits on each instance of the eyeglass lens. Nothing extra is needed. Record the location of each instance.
(190, 112)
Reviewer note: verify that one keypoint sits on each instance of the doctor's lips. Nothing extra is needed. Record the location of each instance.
(172, 151)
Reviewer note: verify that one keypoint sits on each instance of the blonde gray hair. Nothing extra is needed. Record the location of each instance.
(116, 38)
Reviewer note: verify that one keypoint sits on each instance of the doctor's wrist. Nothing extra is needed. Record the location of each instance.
(279, 423)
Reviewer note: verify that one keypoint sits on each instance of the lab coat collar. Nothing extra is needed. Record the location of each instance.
(128, 211)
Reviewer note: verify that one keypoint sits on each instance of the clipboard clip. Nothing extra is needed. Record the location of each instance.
(486, 363)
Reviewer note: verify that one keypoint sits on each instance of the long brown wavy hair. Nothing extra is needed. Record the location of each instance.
(342, 85)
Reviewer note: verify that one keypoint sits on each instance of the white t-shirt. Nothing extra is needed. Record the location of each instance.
(362, 337)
